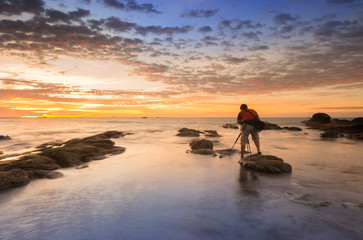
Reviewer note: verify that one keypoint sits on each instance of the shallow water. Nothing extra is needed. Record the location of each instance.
(156, 190)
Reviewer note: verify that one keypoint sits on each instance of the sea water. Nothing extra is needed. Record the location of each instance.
(158, 190)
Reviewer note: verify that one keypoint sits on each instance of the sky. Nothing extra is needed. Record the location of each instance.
(180, 58)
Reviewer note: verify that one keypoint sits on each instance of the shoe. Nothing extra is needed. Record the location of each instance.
(259, 153)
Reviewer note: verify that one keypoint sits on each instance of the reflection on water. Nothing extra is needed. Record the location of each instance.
(155, 190)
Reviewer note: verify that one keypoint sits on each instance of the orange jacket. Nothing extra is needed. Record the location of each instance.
(244, 115)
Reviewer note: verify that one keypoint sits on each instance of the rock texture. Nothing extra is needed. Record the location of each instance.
(202, 146)
(211, 133)
(266, 164)
(3, 137)
(74, 152)
(187, 132)
(335, 128)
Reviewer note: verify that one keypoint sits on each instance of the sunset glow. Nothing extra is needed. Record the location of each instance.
(183, 58)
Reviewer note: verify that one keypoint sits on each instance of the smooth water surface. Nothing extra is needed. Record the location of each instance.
(157, 190)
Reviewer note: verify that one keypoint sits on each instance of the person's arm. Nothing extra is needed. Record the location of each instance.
(239, 119)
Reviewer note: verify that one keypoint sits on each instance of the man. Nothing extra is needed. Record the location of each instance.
(244, 118)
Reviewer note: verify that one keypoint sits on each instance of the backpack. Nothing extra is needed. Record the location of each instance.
(256, 123)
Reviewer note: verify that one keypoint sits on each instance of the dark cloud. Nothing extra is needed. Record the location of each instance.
(56, 15)
(205, 29)
(252, 35)
(284, 18)
(119, 25)
(162, 30)
(19, 6)
(339, 29)
(238, 24)
(114, 4)
(199, 13)
(340, 1)
(132, 5)
(209, 40)
(235, 60)
(85, 1)
(258, 47)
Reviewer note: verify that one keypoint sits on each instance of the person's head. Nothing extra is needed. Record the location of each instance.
(243, 107)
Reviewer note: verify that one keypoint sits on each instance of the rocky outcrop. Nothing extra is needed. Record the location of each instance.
(266, 164)
(211, 133)
(187, 132)
(229, 125)
(202, 146)
(74, 152)
(335, 128)
(4, 137)
(272, 126)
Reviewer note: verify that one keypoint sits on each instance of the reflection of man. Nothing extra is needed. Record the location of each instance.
(244, 117)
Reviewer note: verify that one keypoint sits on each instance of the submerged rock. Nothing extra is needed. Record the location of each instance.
(187, 132)
(297, 129)
(229, 125)
(74, 152)
(3, 137)
(212, 133)
(201, 144)
(266, 164)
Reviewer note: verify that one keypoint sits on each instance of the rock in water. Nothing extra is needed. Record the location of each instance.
(201, 144)
(320, 118)
(186, 132)
(266, 163)
(3, 137)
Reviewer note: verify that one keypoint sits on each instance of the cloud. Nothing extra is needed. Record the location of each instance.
(238, 24)
(342, 108)
(258, 47)
(114, 4)
(132, 5)
(56, 15)
(145, 7)
(19, 6)
(235, 60)
(162, 30)
(340, 1)
(341, 29)
(283, 19)
(200, 13)
(205, 29)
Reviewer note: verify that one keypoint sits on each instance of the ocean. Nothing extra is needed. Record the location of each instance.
(156, 189)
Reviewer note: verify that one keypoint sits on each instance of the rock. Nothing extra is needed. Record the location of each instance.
(292, 129)
(50, 144)
(228, 125)
(329, 134)
(74, 152)
(320, 118)
(266, 163)
(201, 144)
(204, 152)
(13, 178)
(272, 126)
(357, 121)
(226, 152)
(212, 133)
(186, 132)
(3, 137)
(1, 152)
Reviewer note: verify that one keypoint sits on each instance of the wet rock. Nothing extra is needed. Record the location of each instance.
(1, 152)
(329, 134)
(13, 178)
(72, 153)
(3, 137)
(357, 121)
(229, 125)
(82, 166)
(272, 126)
(204, 152)
(226, 152)
(320, 118)
(201, 144)
(50, 144)
(266, 163)
(212, 133)
(187, 132)
(297, 129)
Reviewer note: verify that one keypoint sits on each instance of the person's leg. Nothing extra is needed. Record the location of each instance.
(242, 150)
(257, 143)
(256, 140)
